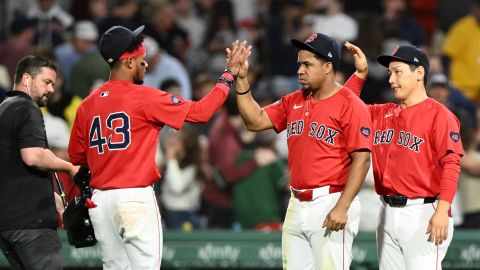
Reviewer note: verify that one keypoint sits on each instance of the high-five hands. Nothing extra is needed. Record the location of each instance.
(361, 63)
(237, 58)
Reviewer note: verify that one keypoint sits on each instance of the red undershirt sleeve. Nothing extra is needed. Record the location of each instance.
(202, 110)
(449, 178)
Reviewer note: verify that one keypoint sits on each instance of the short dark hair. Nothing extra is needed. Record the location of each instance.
(425, 76)
(136, 42)
(32, 64)
(168, 83)
(324, 60)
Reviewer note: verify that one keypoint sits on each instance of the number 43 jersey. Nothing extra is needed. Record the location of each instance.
(115, 133)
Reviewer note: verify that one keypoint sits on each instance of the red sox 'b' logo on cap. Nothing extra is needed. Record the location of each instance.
(395, 50)
(311, 38)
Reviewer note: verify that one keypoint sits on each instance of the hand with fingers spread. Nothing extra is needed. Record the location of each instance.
(361, 63)
(237, 57)
(336, 219)
(438, 225)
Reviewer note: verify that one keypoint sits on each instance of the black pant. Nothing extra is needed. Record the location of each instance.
(32, 249)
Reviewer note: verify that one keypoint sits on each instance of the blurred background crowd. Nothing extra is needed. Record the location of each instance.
(219, 175)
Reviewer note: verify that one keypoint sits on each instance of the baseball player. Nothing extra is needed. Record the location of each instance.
(115, 134)
(329, 140)
(416, 162)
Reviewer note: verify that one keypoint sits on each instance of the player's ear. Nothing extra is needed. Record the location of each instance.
(128, 63)
(328, 68)
(420, 73)
(26, 79)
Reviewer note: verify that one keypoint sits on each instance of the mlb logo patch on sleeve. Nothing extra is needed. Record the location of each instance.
(365, 131)
(104, 94)
(176, 100)
(455, 136)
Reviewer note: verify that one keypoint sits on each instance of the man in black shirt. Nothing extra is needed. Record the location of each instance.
(28, 219)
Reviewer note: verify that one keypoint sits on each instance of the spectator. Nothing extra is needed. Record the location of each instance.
(19, 44)
(122, 13)
(165, 30)
(285, 21)
(182, 179)
(62, 103)
(188, 20)
(469, 182)
(328, 18)
(444, 92)
(84, 41)
(261, 190)
(398, 23)
(221, 32)
(462, 53)
(163, 66)
(52, 21)
(225, 146)
(90, 70)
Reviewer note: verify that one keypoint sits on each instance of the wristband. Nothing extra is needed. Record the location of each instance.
(242, 93)
(231, 73)
(228, 82)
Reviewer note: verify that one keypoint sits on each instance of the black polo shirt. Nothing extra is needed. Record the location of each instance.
(26, 194)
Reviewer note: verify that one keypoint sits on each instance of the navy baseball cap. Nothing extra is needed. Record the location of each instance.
(408, 54)
(116, 40)
(321, 45)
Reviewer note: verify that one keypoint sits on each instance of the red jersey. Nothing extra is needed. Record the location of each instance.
(410, 150)
(320, 135)
(115, 132)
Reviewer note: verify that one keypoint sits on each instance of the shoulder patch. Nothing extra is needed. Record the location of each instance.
(455, 136)
(176, 100)
(365, 131)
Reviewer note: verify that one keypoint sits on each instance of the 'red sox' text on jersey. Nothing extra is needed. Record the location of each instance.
(410, 158)
(320, 140)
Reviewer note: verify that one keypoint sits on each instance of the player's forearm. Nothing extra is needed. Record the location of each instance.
(249, 109)
(355, 83)
(356, 177)
(443, 207)
(449, 177)
(43, 159)
(201, 111)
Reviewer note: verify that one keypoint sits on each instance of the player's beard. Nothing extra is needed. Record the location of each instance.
(42, 101)
(306, 89)
(138, 81)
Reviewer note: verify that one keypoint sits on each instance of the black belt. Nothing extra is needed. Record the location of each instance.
(400, 201)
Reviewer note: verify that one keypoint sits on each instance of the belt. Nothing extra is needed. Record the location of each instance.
(306, 195)
(401, 201)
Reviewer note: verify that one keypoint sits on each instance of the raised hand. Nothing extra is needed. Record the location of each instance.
(237, 58)
(361, 63)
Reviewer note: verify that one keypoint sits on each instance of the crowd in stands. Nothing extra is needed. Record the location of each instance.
(218, 174)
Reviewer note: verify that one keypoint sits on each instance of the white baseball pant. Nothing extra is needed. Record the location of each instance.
(128, 228)
(308, 246)
(402, 241)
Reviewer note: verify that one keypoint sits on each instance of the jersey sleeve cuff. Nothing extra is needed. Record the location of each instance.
(225, 89)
